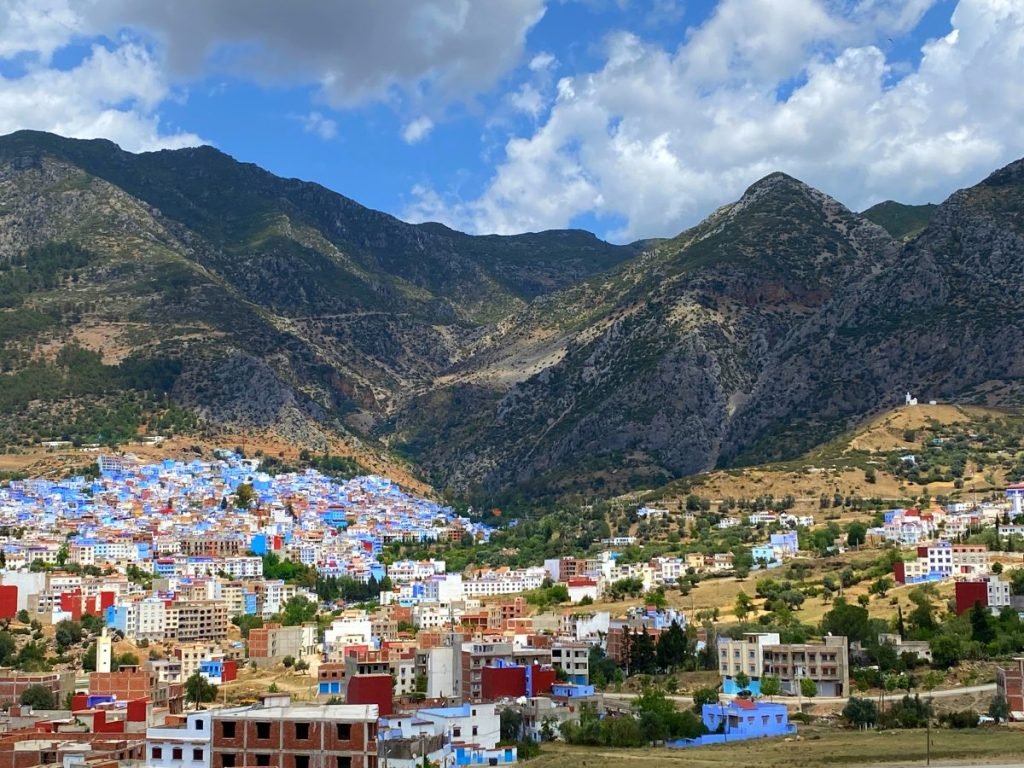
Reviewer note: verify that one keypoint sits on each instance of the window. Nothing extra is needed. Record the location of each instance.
(302, 731)
(344, 762)
(227, 730)
(176, 753)
(158, 753)
(197, 755)
(262, 759)
(344, 731)
(474, 730)
(228, 761)
(262, 730)
(302, 761)
(457, 732)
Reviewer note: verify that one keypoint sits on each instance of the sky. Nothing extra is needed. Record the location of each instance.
(630, 118)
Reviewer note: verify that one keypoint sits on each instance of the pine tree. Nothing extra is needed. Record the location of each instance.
(642, 654)
(672, 648)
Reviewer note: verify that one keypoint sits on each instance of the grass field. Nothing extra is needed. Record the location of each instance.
(812, 748)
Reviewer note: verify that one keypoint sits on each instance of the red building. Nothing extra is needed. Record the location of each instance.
(8, 601)
(372, 689)
(968, 593)
(514, 680)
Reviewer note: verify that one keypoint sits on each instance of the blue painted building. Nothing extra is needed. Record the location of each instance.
(740, 720)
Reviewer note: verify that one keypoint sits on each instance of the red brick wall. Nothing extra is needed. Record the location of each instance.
(283, 743)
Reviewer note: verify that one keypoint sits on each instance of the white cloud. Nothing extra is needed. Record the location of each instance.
(660, 138)
(542, 62)
(110, 94)
(319, 125)
(356, 52)
(36, 27)
(417, 130)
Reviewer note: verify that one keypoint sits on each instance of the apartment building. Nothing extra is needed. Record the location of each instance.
(573, 659)
(745, 655)
(199, 620)
(477, 655)
(269, 644)
(277, 733)
(990, 591)
(214, 546)
(941, 560)
(827, 664)
(183, 745)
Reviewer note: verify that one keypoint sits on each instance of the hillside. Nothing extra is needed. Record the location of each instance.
(185, 292)
(959, 451)
(901, 221)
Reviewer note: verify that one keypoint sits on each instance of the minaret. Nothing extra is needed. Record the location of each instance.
(104, 646)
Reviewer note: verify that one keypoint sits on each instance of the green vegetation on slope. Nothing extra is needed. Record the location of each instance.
(901, 221)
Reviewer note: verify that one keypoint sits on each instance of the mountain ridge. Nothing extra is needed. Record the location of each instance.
(532, 365)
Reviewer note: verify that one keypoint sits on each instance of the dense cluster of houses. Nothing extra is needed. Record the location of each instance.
(168, 553)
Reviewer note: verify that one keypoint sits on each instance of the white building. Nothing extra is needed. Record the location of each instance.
(186, 746)
(349, 629)
(443, 588)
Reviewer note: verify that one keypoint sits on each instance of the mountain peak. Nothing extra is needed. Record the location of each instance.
(775, 181)
(1008, 174)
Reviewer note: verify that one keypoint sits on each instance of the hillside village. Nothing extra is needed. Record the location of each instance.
(172, 588)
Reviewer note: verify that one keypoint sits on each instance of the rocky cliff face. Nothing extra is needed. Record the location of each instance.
(544, 362)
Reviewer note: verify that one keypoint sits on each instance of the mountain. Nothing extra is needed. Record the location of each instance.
(901, 221)
(635, 376)
(183, 290)
(263, 302)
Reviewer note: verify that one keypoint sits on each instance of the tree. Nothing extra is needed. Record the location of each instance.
(771, 686)
(23, 616)
(642, 656)
(861, 712)
(946, 651)
(704, 696)
(198, 690)
(245, 494)
(298, 610)
(38, 697)
(856, 534)
(997, 568)
(288, 661)
(742, 680)
(672, 648)
(246, 623)
(998, 709)
(808, 688)
(743, 605)
(301, 665)
(511, 728)
(92, 623)
(881, 586)
(982, 630)
(67, 634)
(848, 621)
(8, 649)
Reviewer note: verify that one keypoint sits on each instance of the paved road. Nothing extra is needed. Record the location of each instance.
(939, 694)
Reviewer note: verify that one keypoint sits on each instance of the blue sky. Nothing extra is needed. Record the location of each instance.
(632, 118)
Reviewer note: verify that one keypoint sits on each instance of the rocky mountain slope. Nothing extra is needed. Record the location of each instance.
(274, 302)
(184, 290)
